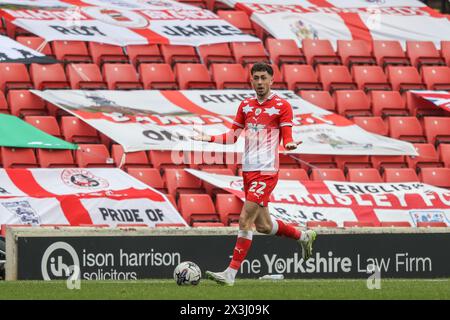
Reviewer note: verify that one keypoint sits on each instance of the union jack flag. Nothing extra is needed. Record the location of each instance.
(440, 99)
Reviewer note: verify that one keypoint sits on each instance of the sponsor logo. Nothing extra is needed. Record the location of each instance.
(83, 179)
(23, 210)
(60, 261)
(117, 17)
(258, 112)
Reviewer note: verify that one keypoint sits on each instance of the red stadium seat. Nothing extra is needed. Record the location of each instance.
(335, 78)
(14, 76)
(157, 76)
(36, 43)
(432, 224)
(24, 103)
(327, 174)
(197, 208)
(321, 99)
(283, 51)
(121, 76)
(358, 224)
(144, 53)
(437, 129)
(423, 53)
(239, 19)
(77, 131)
(370, 175)
(47, 124)
(211, 189)
(4, 104)
(215, 53)
(372, 124)
(193, 76)
(300, 77)
(351, 103)
(229, 208)
(293, 174)
(130, 159)
(345, 162)
(173, 54)
(149, 176)
(48, 76)
(166, 159)
(179, 182)
(321, 224)
(71, 51)
(404, 78)
(85, 76)
(207, 224)
(317, 160)
(388, 103)
(370, 78)
(427, 157)
(53, 158)
(355, 52)
(106, 53)
(436, 77)
(439, 177)
(18, 158)
(93, 156)
(319, 52)
(384, 162)
(396, 175)
(395, 224)
(249, 52)
(389, 52)
(444, 154)
(445, 51)
(406, 128)
(229, 76)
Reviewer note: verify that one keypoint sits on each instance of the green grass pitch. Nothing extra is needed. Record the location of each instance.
(243, 289)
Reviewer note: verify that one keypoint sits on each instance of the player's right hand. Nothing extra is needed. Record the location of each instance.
(201, 136)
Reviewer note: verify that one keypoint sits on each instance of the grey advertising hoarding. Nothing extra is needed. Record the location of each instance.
(139, 257)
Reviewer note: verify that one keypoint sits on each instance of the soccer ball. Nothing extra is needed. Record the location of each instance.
(187, 273)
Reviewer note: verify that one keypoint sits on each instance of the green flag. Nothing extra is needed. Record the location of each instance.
(17, 133)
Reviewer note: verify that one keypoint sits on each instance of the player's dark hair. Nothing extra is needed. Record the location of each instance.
(261, 66)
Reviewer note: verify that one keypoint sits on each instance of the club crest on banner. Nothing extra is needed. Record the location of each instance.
(121, 18)
(24, 211)
(83, 179)
(303, 31)
(237, 184)
(428, 216)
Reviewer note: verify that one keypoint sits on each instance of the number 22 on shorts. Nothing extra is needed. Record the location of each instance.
(254, 185)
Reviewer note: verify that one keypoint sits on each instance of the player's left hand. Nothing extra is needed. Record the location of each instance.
(292, 145)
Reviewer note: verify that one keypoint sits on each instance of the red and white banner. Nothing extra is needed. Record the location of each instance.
(302, 201)
(164, 120)
(122, 22)
(79, 196)
(334, 20)
(440, 99)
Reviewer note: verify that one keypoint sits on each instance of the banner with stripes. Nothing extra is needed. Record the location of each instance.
(13, 51)
(164, 120)
(121, 23)
(440, 99)
(303, 201)
(347, 19)
(77, 196)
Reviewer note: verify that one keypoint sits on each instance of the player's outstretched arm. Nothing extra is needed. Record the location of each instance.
(229, 137)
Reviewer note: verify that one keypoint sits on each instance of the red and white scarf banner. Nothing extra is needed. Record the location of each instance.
(302, 201)
(77, 196)
(164, 120)
(347, 19)
(440, 99)
(121, 22)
